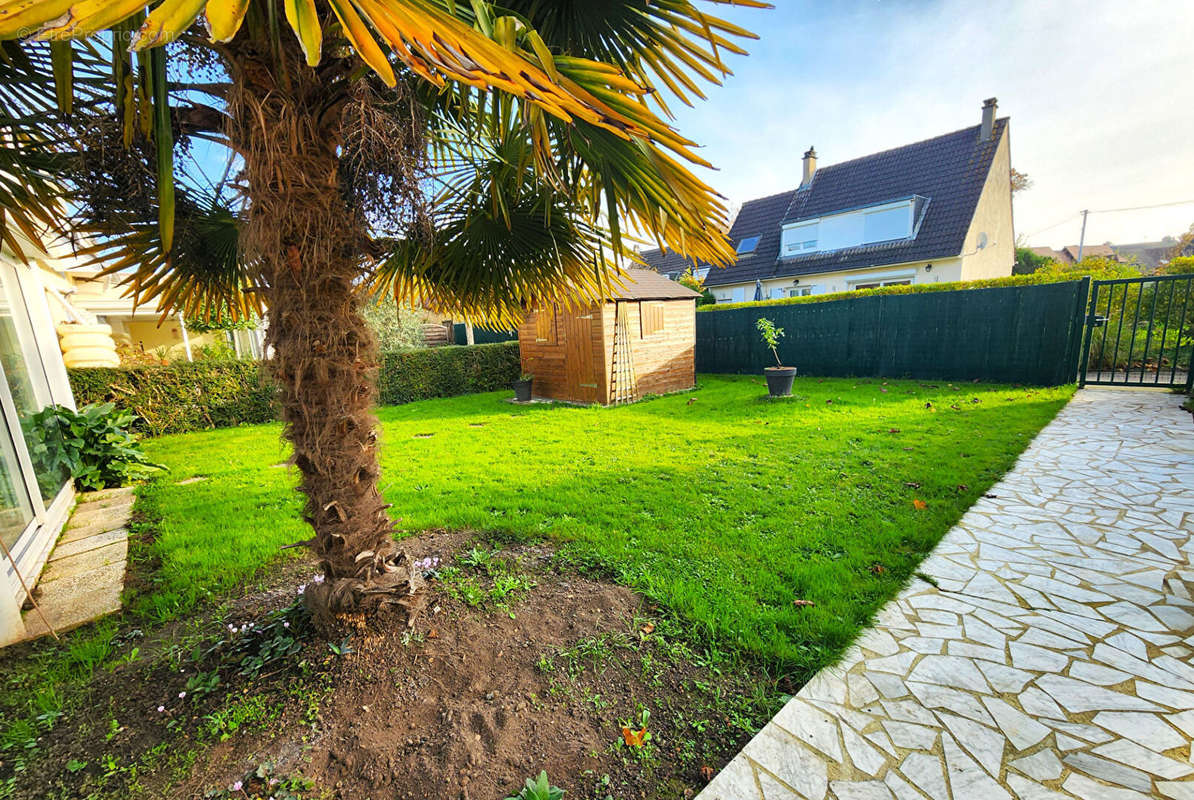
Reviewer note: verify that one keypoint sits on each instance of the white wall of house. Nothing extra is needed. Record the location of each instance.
(845, 280)
(990, 246)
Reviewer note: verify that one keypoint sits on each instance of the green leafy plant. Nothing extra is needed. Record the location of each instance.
(341, 649)
(527, 376)
(202, 684)
(92, 444)
(538, 788)
(253, 647)
(771, 336)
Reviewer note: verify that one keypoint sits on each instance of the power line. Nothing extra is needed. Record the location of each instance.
(1072, 217)
(1143, 208)
(1054, 225)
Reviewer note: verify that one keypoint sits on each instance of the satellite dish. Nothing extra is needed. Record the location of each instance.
(982, 240)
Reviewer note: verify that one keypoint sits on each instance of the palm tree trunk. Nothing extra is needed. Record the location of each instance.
(308, 241)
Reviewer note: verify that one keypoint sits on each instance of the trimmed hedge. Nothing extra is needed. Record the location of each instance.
(182, 397)
(1035, 279)
(409, 375)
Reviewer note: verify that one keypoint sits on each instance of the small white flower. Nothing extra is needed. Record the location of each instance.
(317, 578)
(285, 624)
(302, 588)
(161, 709)
(182, 695)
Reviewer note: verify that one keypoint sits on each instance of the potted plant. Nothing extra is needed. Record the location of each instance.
(522, 387)
(779, 377)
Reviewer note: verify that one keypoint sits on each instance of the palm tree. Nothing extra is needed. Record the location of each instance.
(463, 155)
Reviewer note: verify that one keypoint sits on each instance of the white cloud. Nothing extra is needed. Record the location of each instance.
(1099, 93)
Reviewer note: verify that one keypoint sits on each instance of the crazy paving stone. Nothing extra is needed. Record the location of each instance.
(1142, 728)
(1052, 661)
(1043, 765)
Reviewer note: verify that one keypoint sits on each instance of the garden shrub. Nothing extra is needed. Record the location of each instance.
(93, 445)
(412, 375)
(181, 397)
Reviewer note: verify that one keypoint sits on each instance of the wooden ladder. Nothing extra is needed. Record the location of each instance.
(625, 384)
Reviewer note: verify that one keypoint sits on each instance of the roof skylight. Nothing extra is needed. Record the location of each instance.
(748, 245)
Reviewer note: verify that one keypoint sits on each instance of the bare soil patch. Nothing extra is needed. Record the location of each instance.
(518, 664)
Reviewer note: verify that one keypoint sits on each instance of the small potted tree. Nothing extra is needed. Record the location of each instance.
(779, 377)
(522, 387)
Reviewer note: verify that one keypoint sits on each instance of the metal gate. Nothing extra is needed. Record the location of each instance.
(1139, 332)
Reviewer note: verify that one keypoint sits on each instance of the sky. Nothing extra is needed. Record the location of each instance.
(1100, 96)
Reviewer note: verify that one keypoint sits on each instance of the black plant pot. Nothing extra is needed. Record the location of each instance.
(522, 390)
(779, 380)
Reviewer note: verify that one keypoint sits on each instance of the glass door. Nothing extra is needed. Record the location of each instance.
(30, 480)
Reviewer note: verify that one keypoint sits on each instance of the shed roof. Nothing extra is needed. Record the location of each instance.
(645, 284)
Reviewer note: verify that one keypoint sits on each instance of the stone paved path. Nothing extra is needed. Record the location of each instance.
(84, 576)
(1051, 660)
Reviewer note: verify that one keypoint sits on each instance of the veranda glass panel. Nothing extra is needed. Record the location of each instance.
(16, 512)
(28, 384)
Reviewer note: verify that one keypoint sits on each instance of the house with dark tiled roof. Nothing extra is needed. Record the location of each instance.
(934, 211)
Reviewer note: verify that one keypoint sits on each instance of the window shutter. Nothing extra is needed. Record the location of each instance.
(545, 325)
(651, 318)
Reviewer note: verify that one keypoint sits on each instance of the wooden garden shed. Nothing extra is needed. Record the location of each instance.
(640, 341)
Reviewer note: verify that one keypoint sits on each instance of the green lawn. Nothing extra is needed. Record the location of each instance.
(720, 504)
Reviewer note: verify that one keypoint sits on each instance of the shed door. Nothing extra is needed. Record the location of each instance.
(579, 372)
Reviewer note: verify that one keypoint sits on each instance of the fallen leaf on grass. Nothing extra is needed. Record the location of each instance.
(433, 634)
(648, 628)
(919, 505)
(633, 738)
(912, 484)
(878, 569)
(893, 430)
(707, 773)
(963, 487)
(803, 603)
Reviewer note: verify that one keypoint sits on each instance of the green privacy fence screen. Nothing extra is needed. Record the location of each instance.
(482, 335)
(1021, 334)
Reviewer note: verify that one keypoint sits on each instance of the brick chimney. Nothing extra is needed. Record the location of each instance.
(810, 167)
(988, 129)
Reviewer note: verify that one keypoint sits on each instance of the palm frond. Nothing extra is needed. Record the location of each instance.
(663, 44)
(202, 275)
(502, 237)
(39, 85)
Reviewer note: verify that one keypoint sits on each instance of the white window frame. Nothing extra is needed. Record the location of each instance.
(842, 230)
(33, 545)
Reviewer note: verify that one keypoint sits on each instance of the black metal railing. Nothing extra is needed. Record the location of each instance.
(1140, 332)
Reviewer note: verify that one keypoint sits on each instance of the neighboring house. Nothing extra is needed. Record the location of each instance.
(35, 498)
(1149, 256)
(1070, 254)
(88, 296)
(938, 210)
